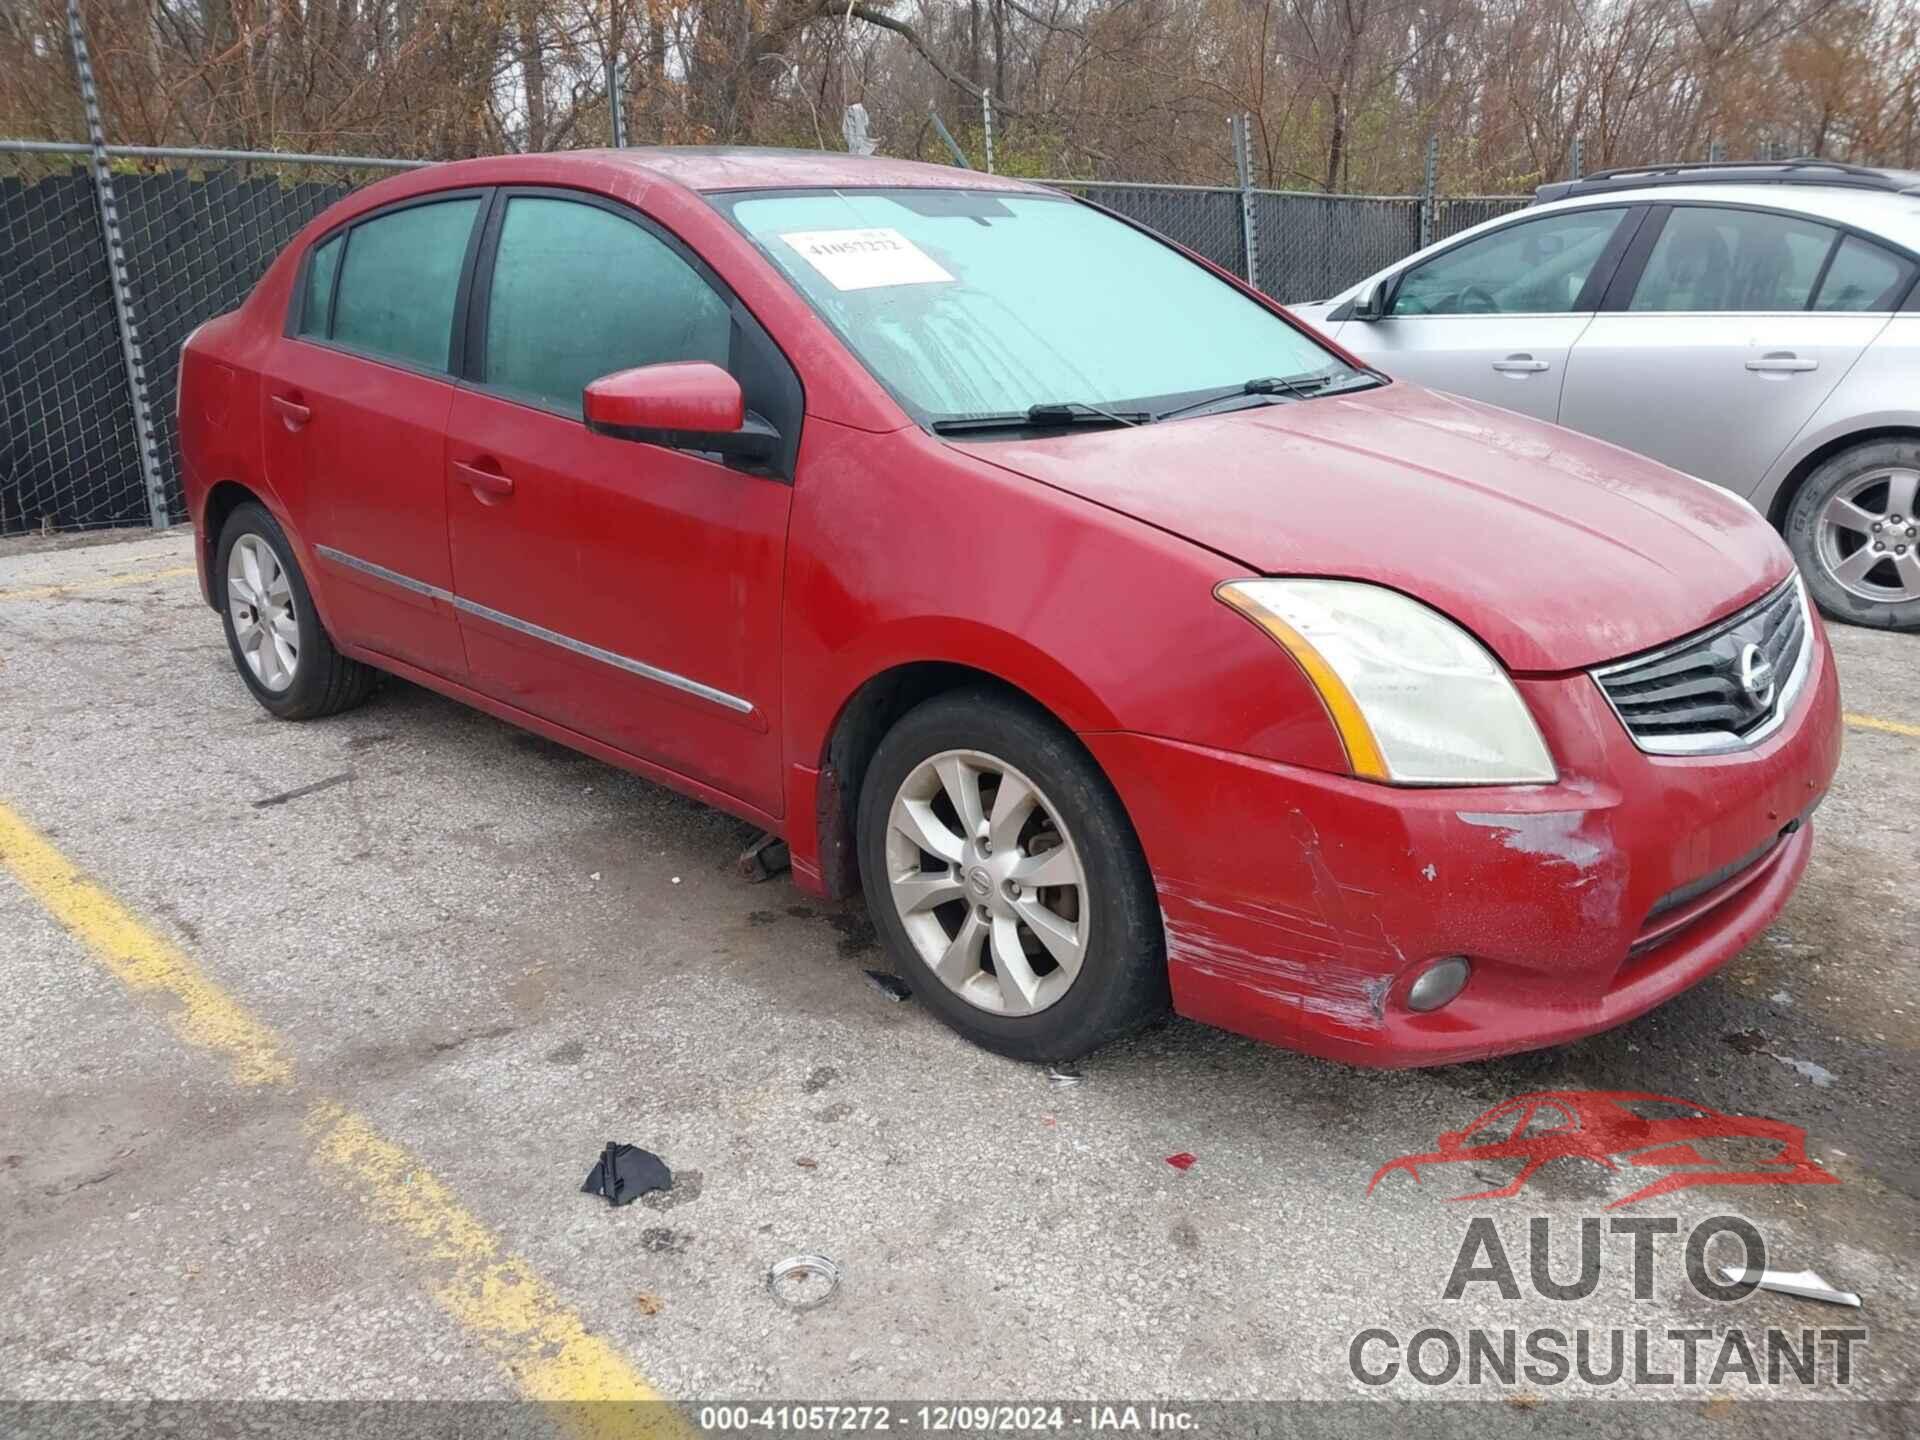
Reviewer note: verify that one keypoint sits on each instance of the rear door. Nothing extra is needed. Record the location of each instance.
(1724, 330)
(626, 591)
(356, 402)
(1494, 317)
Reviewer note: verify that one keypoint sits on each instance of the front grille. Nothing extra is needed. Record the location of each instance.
(1695, 695)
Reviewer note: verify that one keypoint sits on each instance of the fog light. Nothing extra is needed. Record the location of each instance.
(1438, 983)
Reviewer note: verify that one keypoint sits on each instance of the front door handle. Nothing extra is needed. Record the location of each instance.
(1782, 362)
(1521, 364)
(487, 484)
(291, 410)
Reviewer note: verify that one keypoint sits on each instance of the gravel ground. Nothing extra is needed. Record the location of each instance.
(503, 955)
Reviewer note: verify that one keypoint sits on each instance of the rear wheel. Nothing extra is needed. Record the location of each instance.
(1002, 871)
(1853, 529)
(273, 631)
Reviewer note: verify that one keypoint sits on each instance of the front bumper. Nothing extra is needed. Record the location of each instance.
(1299, 906)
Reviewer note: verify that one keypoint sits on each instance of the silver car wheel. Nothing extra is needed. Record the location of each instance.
(266, 626)
(987, 882)
(1869, 536)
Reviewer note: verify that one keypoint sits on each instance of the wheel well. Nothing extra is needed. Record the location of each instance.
(222, 501)
(856, 735)
(1783, 497)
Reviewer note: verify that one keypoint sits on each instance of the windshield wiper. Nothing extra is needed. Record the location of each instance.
(1054, 413)
(1300, 387)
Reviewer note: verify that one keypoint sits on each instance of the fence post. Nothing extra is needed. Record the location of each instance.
(1579, 157)
(130, 355)
(1240, 128)
(616, 106)
(986, 118)
(1428, 193)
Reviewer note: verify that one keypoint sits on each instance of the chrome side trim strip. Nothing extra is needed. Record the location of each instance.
(540, 632)
(381, 572)
(608, 657)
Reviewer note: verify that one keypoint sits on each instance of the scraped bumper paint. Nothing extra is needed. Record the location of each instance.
(1299, 907)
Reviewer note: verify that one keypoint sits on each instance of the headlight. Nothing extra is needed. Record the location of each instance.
(1417, 700)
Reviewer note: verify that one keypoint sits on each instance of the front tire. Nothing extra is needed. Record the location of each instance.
(1853, 530)
(273, 631)
(1006, 880)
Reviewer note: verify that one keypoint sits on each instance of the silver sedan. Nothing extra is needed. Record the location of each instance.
(1755, 326)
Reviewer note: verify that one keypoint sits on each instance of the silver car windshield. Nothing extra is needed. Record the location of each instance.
(978, 303)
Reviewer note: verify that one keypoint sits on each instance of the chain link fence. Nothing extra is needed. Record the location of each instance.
(1312, 246)
(69, 453)
(195, 229)
(1452, 214)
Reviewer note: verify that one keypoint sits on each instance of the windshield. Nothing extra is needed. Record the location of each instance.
(978, 303)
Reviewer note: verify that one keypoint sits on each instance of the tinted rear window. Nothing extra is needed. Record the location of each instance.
(399, 281)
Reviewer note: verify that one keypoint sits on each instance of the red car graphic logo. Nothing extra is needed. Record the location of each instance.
(1615, 1127)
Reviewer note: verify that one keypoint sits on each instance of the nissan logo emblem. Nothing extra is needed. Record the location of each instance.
(1756, 676)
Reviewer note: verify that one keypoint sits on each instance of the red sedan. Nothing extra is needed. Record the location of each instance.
(1130, 645)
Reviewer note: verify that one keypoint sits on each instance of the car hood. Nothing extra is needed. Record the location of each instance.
(1557, 550)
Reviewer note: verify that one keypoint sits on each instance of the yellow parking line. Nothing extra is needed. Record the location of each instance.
(496, 1296)
(1891, 727)
(142, 960)
(491, 1293)
(131, 577)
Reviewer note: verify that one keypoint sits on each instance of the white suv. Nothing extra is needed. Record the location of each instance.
(1755, 325)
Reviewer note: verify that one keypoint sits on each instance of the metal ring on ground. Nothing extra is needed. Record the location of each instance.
(794, 1265)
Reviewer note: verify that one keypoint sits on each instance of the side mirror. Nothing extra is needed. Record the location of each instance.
(1367, 304)
(685, 405)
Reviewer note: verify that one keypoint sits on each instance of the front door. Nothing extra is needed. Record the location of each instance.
(626, 591)
(1494, 317)
(355, 408)
(1723, 349)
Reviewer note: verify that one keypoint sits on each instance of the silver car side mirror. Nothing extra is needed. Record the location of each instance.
(1366, 304)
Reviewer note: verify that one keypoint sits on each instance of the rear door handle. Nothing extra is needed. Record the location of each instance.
(292, 411)
(1522, 364)
(1779, 362)
(485, 482)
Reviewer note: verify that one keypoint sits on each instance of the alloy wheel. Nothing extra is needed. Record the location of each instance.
(1869, 536)
(266, 626)
(987, 882)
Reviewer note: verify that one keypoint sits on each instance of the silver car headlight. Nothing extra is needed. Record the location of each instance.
(1416, 699)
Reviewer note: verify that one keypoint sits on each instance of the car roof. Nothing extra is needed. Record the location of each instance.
(1804, 171)
(709, 168)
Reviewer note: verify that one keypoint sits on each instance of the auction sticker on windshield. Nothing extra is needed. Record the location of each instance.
(866, 259)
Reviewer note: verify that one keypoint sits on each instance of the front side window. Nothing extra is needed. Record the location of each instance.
(1535, 267)
(579, 292)
(1714, 258)
(399, 282)
(980, 303)
(1863, 277)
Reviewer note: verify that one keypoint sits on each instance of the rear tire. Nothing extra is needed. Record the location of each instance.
(1043, 922)
(1830, 530)
(273, 631)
